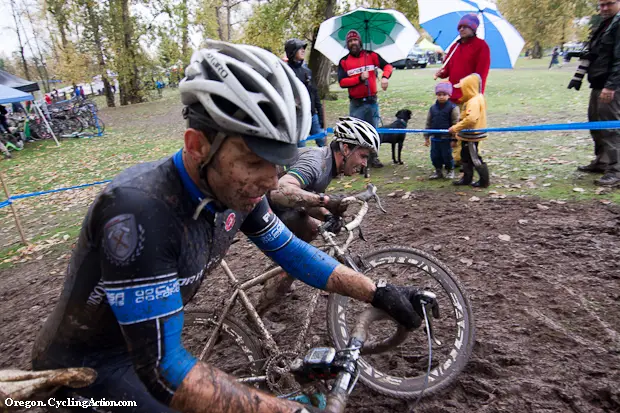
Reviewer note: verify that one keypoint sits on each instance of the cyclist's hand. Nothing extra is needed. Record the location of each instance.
(333, 224)
(334, 205)
(574, 84)
(403, 304)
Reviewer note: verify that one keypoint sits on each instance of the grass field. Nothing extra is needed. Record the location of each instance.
(521, 164)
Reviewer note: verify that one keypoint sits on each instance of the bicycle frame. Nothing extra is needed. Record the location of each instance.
(240, 289)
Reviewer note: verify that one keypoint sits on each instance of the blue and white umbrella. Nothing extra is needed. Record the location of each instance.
(440, 19)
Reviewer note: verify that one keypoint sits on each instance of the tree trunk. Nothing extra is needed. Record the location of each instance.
(537, 52)
(44, 73)
(319, 64)
(93, 21)
(185, 33)
(220, 32)
(21, 46)
(130, 89)
(55, 7)
(228, 20)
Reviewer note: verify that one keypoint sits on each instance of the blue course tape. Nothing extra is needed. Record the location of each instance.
(22, 196)
(602, 125)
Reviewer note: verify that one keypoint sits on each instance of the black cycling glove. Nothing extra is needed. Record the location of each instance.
(333, 224)
(403, 304)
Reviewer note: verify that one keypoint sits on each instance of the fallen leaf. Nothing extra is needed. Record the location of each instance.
(542, 207)
(391, 194)
(65, 237)
(474, 199)
(546, 185)
(466, 238)
(523, 221)
(467, 261)
(605, 202)
(504, 237)
(579, 190)
(461, 193)
(436, 247)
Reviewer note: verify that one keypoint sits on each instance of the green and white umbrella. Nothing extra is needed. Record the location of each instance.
(386, 32)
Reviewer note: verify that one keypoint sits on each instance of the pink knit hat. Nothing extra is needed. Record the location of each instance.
(443, 87)
(470, 20)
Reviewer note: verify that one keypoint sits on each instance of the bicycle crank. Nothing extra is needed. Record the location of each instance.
(280, 379)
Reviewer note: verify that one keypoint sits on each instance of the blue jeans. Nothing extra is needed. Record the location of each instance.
(315, 129)
(441, 153)
(365, 111)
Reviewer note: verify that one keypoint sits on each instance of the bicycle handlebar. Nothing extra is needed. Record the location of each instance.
(342, 388)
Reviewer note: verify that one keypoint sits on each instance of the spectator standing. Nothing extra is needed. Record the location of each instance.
(442, 115)
(555, 58)
(468, 55)
(357, 72)
(296, 53)
(473, 116)
(3, 123)
(601, 61)
(48, 99)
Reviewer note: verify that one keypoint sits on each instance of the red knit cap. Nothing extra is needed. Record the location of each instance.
(353, 34)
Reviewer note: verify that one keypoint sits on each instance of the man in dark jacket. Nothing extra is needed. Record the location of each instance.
(603, 55)
(296, 53)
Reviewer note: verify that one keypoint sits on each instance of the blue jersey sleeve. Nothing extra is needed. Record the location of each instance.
(299, 259)
(139, 240)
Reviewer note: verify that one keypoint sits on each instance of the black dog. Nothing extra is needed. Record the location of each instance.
(402, 117)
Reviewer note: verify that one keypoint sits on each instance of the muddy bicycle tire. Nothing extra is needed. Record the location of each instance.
(455, 328)
(236, 342)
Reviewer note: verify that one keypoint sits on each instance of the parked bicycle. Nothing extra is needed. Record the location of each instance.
(252, 355)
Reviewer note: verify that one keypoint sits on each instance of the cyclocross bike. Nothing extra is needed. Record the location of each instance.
(407, 370)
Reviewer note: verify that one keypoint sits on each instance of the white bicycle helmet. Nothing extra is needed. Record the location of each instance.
(357, 132)
(245, 90)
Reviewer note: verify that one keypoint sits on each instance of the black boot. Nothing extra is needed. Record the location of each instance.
(483, 171)
(468, 175)
(374, 161)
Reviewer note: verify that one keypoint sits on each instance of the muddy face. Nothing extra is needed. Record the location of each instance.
(357, 159)
(238, 177)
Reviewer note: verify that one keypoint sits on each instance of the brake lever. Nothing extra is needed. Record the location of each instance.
(361, 234)
(378, 200)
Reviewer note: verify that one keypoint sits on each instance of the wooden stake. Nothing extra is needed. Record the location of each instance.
(19, 225)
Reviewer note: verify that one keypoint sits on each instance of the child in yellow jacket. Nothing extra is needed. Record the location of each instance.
(473, 116)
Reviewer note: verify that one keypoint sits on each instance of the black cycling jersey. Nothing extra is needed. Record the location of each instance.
(140, 257)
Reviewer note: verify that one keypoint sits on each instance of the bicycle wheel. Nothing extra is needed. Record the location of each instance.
(236, 351)
(401, 372)
(40, 131)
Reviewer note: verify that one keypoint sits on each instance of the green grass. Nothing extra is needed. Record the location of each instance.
(537, 164)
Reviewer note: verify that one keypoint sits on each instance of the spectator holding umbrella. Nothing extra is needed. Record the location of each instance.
(468, 55)
(357, 72)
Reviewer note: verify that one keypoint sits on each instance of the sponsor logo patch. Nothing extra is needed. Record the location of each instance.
(123, 239)
(230, 221)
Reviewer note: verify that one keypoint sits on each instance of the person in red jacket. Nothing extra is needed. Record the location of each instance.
(467, 55)
(357, 72)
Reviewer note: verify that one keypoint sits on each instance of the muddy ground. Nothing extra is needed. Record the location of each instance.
(546, 302)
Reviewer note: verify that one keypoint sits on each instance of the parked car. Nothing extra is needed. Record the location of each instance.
(415, 58)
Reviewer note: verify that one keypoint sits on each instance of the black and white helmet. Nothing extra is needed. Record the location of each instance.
(249, 91)
(357, 132)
